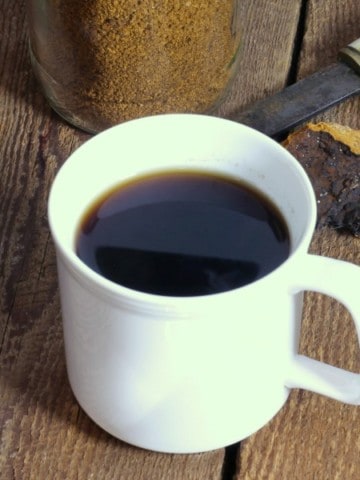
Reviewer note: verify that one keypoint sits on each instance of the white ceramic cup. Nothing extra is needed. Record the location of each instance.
(196, 373)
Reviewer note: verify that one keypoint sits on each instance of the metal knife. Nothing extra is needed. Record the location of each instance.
(306, 98)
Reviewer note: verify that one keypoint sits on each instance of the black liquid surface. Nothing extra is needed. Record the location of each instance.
(183, 234)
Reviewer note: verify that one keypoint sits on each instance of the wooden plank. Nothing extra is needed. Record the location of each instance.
(43, 432)
(269, 32)
(314, 437)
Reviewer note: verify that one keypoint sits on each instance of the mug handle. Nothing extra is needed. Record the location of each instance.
(340, 280)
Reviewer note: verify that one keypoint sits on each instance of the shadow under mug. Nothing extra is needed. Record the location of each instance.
(197, 373)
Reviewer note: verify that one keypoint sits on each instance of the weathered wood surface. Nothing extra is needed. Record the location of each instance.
(43, 432)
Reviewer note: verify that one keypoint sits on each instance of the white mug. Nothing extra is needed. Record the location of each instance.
(191, 374)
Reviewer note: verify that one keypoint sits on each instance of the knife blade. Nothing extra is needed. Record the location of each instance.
(279, 113)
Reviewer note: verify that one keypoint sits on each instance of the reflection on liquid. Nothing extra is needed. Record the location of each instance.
(174, 274)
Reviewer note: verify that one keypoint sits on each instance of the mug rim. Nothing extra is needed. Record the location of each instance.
(117, 292)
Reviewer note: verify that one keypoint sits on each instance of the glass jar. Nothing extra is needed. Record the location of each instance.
(101, 62)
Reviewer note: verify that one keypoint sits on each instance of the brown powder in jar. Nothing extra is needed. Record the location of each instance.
(105, 61)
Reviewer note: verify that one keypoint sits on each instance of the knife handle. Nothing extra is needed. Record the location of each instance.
(351, 55)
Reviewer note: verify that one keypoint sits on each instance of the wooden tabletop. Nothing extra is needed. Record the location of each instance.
(44, 434)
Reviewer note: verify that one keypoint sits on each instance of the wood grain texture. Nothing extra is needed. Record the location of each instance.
(43, 432)
(269, 33)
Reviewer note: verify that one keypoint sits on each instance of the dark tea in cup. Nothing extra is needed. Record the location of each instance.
(183, 233)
